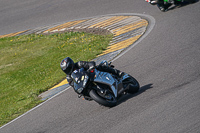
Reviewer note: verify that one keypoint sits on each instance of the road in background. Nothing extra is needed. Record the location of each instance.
(166, 63)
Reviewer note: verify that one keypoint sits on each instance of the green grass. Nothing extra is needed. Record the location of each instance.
(30, 65)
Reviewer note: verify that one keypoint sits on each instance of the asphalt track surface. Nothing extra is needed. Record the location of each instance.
(166, 63)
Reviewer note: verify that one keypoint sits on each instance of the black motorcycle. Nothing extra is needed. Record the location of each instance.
(164, 5)
(103, 87)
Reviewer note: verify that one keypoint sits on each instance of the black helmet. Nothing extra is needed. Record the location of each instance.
(67, 65)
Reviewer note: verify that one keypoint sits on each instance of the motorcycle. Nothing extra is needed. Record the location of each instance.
(163, 5)
(103, 87)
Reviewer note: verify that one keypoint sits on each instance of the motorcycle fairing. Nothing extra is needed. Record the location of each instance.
(79, 76)
(106, 78)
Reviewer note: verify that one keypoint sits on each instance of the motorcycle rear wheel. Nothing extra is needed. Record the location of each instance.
(103, 101)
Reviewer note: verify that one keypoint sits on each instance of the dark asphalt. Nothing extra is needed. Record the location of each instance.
(166, 63)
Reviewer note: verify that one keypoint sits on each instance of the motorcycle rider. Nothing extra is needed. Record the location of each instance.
(68, 66)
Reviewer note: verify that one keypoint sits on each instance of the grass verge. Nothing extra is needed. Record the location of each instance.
(30, 65)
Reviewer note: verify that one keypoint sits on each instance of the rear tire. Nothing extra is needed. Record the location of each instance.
(103, 101)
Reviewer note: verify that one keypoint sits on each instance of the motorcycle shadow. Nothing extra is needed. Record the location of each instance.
(129, 96)
(181, 5)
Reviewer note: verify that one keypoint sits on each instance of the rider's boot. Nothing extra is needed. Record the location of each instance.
(116, 72)
(111, 70)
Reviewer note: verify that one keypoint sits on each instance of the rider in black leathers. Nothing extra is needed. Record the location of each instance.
(68, 66)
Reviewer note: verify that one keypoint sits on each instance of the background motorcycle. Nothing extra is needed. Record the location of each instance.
(163, 5)
(103, 87)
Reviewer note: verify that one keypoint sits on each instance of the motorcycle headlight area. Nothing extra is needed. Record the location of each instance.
(85, 80)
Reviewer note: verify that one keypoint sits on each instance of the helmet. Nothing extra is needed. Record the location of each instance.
(67, 65)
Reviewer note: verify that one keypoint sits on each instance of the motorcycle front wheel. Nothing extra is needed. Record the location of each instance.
(111, 101)
(134, 85)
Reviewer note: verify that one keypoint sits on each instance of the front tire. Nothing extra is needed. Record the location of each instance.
(103, 101)
(134, 85)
